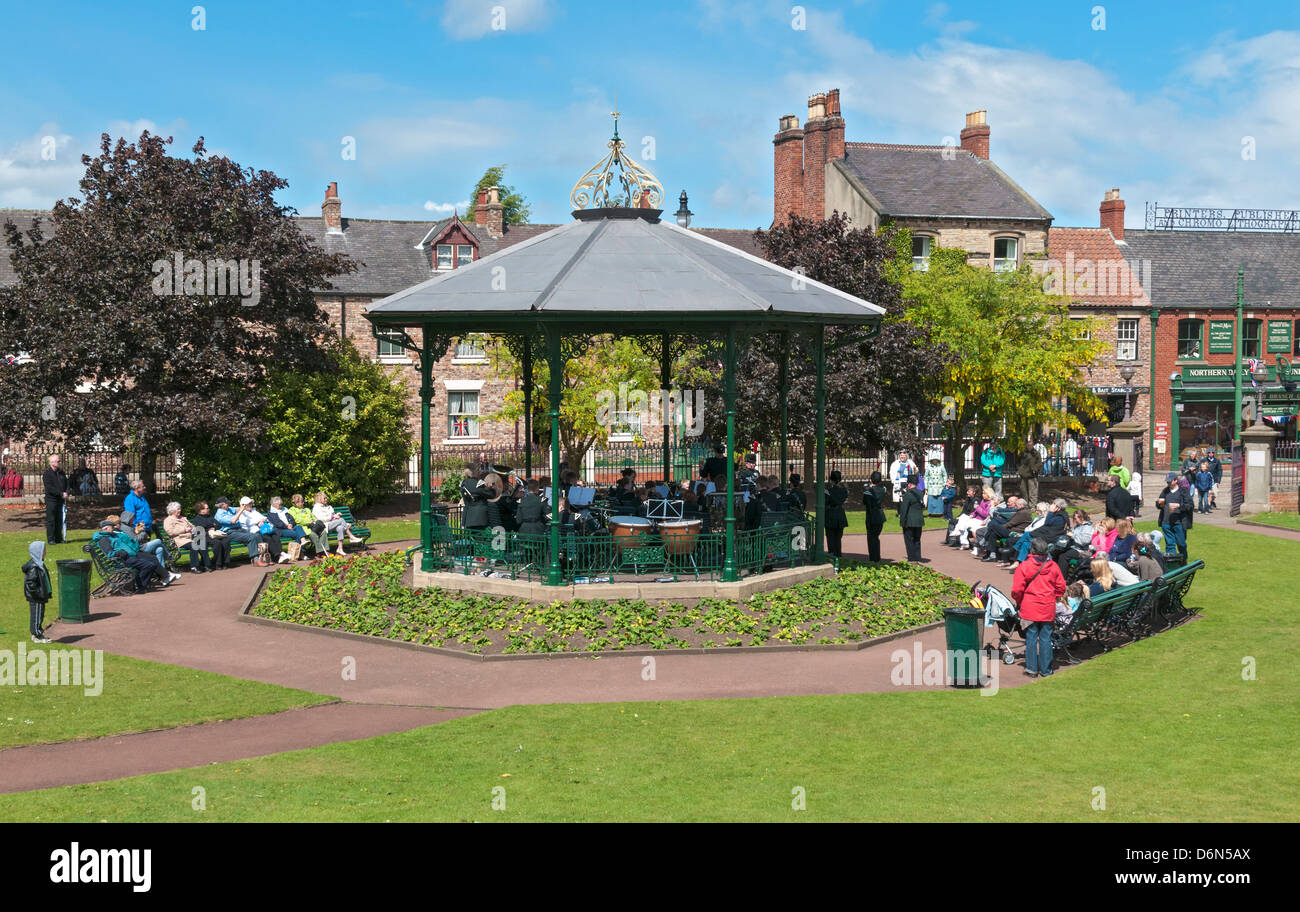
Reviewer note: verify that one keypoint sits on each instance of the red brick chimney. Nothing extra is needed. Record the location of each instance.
(331, 209)
(480, 214)
(823, 140)
(787, 170)
(495, 213)
(975, 135)
(1112, 213)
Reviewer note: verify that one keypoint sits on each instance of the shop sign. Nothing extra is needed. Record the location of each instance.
(1219, 374)
(1221, 337)
(1279, 336)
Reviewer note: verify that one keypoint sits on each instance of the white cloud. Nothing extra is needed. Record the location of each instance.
(37, 170)
(444, 209)
(467, 20)
(386, 140)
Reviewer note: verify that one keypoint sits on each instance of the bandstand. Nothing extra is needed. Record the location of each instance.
(619, 269)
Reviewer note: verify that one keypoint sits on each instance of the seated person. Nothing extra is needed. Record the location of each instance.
(83, 480)
(228, 522)
(122, 481)
(1081, 529)
(334, 521)
(1123, 576)
(124, 547)
(1002, 524)
(1075, 593)
(248, 518)
(1148, 561)
(148, 544)
(217, 540)
(285, 526)
(500, 509)
(626, 479)
(136, 504)
(968, 523)
(303, 517)
(183, 535)
(1122, 546)
(1102, 579)
(1104, 536)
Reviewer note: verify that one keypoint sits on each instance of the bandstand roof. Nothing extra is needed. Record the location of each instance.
(615, 267)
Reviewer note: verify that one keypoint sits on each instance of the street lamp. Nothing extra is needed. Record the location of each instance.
(1127, 373)
(683, 214)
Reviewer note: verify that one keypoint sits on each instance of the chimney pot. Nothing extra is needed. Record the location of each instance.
(480, 213)
(788, 122)
(1112, 213)
(817, 106)
(494, 213)
(331, 209)
(975, 135)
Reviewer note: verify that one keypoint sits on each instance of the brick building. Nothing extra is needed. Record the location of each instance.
(946, 195)
(1092, 266)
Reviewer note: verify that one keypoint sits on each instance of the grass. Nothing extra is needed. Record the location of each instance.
(1284, 520)
(1166, 726)
(137, 695)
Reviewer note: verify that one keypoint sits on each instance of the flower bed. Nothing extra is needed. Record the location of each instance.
(368, 594)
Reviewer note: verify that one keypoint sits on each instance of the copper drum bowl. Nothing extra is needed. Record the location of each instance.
(629, 531)
(680, 535)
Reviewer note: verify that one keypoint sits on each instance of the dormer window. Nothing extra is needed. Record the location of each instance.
(453, 256)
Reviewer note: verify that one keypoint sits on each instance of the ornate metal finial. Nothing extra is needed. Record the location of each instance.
(636, 185)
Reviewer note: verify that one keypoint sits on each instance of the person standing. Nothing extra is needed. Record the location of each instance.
(1070, 455)
(899, 469)
(36, 587)
(1174, 506)
(1216, 469)
(935, 476)
(991, 462)
(1029, 466)
(1118, 468)
(1036, 587)
(1204, 485)
(1119, 503)
(911, 516)
(56, 502)
(836, 519)
(874, 495)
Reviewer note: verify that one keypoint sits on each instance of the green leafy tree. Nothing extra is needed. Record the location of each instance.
(514, 208)
(1017, 352)
(129, 360)
(344, 432)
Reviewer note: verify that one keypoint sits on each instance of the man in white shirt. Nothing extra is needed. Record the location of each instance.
(1070, 453)
(899, 469)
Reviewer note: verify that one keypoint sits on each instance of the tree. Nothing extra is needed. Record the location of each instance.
(876, 389)
(590, 381)
(514, 208)
(343, 431)
(136, 308)
(1018, 354)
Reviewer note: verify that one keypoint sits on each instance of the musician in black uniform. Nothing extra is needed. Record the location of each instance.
(796, 496)
(715, 465)
(836, 519)
(474, 495)
(500, 508)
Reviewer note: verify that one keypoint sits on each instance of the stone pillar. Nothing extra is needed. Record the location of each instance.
(1257, 451)
(1124, 435)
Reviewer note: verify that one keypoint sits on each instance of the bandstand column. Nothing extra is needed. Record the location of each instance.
(665, 377)
(426, 470)
(819, 354)
(528, 407)
(783, 390)
(555, 364)
(730, 569)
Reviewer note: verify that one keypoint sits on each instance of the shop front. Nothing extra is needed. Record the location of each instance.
(1202, 414)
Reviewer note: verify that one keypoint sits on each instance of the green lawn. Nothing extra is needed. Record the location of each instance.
(1167, 726)
(137, 695)
(1285, 520)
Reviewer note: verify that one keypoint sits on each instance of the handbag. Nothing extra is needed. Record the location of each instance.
(266, 528)
(318, 527)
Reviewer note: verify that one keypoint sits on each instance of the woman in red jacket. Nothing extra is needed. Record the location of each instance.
(1037, 585)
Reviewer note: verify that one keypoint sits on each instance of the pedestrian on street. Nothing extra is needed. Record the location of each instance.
(991, 462)
(1174, 506)
(1029, 466)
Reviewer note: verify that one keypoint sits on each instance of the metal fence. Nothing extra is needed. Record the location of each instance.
(1286, 475)
(31, 463)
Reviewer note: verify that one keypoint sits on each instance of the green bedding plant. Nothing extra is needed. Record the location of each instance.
(367, 594)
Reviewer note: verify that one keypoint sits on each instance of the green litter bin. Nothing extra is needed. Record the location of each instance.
(963, 629)
(74, 590)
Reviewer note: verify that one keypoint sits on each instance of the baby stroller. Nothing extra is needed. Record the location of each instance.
(999, 610)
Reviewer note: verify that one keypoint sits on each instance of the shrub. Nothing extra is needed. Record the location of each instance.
(343, 432)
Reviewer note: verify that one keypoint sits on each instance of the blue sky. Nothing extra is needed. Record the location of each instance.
(1159, 102)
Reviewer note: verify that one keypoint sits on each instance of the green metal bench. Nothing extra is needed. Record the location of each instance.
(1128, 609)
(1173, 587)
(118, 579)
(1082, 623)
(358, 530)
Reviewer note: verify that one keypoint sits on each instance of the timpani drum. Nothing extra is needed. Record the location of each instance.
(628, 531)
(680, 535)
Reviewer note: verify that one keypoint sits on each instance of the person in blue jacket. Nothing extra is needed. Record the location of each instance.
(1204, 485)
(138, 506)
(991, 461)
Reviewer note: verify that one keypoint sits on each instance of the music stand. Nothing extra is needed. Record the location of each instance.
(663, 509)
(581, 497)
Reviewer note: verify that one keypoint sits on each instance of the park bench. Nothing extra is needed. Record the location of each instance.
(1172, 588)
(118, 579)
(1098, 618)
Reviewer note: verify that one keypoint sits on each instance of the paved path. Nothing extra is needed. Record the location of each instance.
(1154, 482)
(193, 623)
(39, 766)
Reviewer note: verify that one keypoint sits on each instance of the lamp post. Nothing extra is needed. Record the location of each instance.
(1175, 397)
(1127, 373)
(683, 214)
